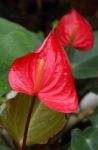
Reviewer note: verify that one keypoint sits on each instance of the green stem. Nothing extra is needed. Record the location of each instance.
(27, 123)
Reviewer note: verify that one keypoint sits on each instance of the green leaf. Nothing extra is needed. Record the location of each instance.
(40, 35)
(44, 124)
(94, 118)
(13, 45)
(85, 140)
(85, 63)
(2, 147)
(8, 26)
(15, 41)
(2, 100)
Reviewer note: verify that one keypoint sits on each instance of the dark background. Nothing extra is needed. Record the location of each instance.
(39, 14)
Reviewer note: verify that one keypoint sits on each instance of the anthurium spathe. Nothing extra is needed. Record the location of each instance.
(47, 74)
(74, 30)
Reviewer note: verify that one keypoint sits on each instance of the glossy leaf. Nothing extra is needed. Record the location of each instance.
(44, 124)
(13, 45)
(85, 64)
(86, 140)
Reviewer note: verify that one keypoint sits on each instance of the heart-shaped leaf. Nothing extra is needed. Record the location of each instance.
(86, 140)
(44, 124)
(13, 45)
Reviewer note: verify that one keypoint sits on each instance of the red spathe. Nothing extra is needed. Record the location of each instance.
(57, 89)
(74, 30)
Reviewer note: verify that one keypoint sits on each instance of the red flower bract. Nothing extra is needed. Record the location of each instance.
(46, 73)
(74, 30)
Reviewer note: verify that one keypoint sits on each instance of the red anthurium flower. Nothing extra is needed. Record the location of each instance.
(46, 73)
(74, 30)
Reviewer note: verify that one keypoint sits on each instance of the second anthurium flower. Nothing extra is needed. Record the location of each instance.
(47, 74)
(74, 30)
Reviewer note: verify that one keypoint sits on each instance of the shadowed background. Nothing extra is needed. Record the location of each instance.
(39, 14)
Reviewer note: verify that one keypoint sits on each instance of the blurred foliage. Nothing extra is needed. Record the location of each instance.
(94, 118)
(2, 147)
(85, 64)
(15, 41)
(86, 140)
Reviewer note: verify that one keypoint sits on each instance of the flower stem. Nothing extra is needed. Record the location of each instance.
(27, 123)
